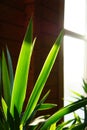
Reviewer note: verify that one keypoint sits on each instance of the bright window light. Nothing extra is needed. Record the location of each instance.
(74, 58)
(75, 16)
(75, 49)
(73, 66)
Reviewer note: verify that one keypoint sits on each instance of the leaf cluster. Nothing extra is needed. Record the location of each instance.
(13, 90)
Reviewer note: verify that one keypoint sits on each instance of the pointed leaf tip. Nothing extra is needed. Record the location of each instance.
(29, 32)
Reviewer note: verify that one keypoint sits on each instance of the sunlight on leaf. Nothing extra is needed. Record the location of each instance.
(39, 85)
(22, 70)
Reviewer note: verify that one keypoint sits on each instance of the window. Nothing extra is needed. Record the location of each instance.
(74, 48)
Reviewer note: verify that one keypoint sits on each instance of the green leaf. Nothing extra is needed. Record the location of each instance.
(4, 107)
(0, 79)
(46, 106)
(63, 111)
(85, 86)
(62, 125)
(78, 127)
(10, 67)
(17, 119)
(37, 107)
(44, 98)
(1, 126)
(77, 118)
(42, 101)
(21, 127)
(21, 76)
(10, 121)
(8, 117)
(79, 96)
(42, 79)
(53, 126)
(6, 81)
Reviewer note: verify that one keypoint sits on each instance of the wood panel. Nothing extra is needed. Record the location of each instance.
(29, 1)
(10, 31)
(12, 27)
(18, 4)
(11, 15)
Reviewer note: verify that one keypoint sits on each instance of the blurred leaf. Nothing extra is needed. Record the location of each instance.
(46, 106)
(37, 107)
(0, 79)
(85, 86)
(53, 126)
(6, 81)
(16, 119)
(64, 124)
(44, 98)
(63, 111)
(42, 78)
(42, 101)
(10, 67)
(21, 127)
(21, 76)
(77, 118)
(10, 120)
(3, 125)
(4, 106)
(85, 113)
(79, 96)
(1, 113)
(78, 127)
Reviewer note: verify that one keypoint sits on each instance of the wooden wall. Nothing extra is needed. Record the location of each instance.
(48, 21)
(11, 26)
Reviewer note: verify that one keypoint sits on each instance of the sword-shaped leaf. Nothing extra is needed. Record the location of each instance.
(4, 107)
(10, 68)
(64, 124)
(53, 126)
(42, 78)
(0, 79)
(44, 97)
(63, 111)
(21, 76)
(81, 126)
(37, 107)
(6, 81)
(45, 106)
(8, 118)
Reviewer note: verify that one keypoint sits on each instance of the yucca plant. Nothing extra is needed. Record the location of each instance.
(14, 88)
(82, 121)
(77, 122)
